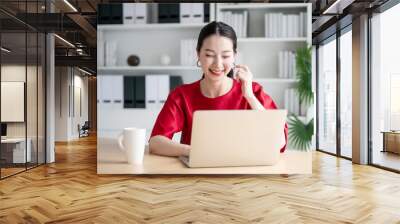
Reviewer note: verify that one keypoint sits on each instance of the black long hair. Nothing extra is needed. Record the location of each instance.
(221, 29)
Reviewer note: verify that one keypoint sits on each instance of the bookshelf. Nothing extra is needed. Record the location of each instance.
(150, 26)
(260, 51)
(271, 40)
(273, 80)
(260, 6)
(150, 41)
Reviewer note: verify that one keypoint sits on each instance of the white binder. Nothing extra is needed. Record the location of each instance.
(157, 90)
(163, 89)
(151, 91)
(197, 12)
(141, 13)
(185, 11)
(128, 10)
(106, 91)
(117, 83)
(111, 53)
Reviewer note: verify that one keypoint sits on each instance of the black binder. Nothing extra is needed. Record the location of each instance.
(175, 81)
(163, 13)
(109, 14)
(116, 14)
(129, 92)
(174, 13)
(104, 14)
(168, 13)
(206, 12)
(140, 92)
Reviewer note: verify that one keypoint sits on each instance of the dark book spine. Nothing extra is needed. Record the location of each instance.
(140, 92)
(129, 92)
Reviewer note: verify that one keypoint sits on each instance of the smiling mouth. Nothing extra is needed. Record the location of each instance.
(218, 72)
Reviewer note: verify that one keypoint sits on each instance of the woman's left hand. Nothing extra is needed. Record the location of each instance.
(243, 74)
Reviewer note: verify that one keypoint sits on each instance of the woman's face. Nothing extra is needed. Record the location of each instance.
(216, 57)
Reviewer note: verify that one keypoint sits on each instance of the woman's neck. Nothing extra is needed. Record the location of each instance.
(212, 89)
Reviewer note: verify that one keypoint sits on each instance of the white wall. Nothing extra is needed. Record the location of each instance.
(62, 81)
(33, 126)
(70, 83)
(79, 117)
(16, 73)
(12, 101)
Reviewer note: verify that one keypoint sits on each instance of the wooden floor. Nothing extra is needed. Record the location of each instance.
(70, 191)
(10, 171)
(5, 172)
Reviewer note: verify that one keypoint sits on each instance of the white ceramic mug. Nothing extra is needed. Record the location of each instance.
(132, 141)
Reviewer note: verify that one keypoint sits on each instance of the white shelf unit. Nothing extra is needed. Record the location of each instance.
(149, 26)
(260, 53)
(264, 39)
(273, 80)
(188, 73)
(150, 41)
(259, 6)
(257, 11)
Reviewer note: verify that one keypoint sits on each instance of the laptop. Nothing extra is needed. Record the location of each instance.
(223, 138)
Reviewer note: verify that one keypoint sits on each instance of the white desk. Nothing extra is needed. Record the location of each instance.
(111, 160)
(19, 149)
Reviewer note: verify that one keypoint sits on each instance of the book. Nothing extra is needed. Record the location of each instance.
(128, 10)
(140, 92)
(197, 13)
(129, 91)
(110, 53)
(185, 12)
(151, 91)
(141, 13)
(163, 89)
(245, 21)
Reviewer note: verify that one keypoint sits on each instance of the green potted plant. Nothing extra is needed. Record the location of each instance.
(301, 131)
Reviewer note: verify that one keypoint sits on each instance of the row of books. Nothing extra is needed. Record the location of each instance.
(188, 52)
(183, 12)
(287, 64)
(292, 101)
(109, 14)
(158, 87)
(280, 25)
(135, 13)
(194, 12)
(110, 54)
(238, 21)
(148, 91)
(139, 13)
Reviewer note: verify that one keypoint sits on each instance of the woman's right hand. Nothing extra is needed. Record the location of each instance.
(163, 146)
(186, 150)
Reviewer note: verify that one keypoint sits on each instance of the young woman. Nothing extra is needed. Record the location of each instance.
(224, 86)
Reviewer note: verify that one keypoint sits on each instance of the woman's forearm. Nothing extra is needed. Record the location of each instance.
(255, 103)
(163, 146)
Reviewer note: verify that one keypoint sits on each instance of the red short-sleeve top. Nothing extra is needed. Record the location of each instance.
(177, 112)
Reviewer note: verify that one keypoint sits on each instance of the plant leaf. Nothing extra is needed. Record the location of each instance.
(303, 74)
(300, 134)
